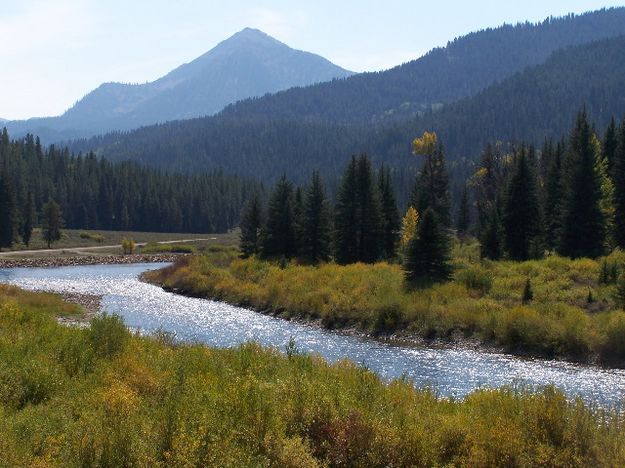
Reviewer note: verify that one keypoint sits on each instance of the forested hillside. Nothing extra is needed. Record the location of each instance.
(463, 67)
(96, 194)
(530, 105)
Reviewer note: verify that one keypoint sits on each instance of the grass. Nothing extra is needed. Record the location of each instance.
(73, 238)
(154, 248)
(102, 396)
(483, 301)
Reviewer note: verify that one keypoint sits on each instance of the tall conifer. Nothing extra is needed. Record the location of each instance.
(316, 223)
(521, 218)
(583, 225)
(279, 233)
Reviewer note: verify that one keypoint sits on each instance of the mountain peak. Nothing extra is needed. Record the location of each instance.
(249, 36)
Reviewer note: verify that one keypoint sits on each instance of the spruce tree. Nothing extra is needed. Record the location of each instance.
(464, 214)
(251, 225)
(51, 222)
(521, 219)
(610, 143)
(359, 233)
(316, 223)
(583, 224)
(279, 233)
(298, 219)
(431, 189)
(553, 199)
(370, 247)
(528, 293)
(491, 238)
(427, 260)
(390, 213)
(346, 217)
(8, 213)
(29, 219)
(618, 172)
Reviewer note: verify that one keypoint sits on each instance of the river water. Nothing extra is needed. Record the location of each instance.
(451, 371)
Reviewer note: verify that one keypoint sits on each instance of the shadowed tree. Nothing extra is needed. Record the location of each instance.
(51, 222)
(251, 225)
(279, 233)
(427, 260)
(521, 218)
(316, 223)
(583, 225)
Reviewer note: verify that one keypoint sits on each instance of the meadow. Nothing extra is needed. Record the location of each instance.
(573, 313)
(102, 396)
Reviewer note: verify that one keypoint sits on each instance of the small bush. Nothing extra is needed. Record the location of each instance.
(128, 246)
(99, 238)
(108, 335)
(476, 279)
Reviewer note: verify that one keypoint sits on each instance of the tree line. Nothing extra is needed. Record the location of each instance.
(364, 225)
(569, 197)
(93, 193)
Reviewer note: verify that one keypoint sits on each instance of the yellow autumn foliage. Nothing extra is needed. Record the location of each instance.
(409, 226)
(426, 144)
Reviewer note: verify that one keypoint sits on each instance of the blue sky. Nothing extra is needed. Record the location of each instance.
(55, 51)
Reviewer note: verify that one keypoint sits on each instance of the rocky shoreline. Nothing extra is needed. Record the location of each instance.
(91, 303)
(45, 262)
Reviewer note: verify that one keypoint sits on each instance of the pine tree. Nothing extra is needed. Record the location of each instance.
(583, 225)
(8, 213)
(528, 293)
(298, 220)
(316, 223)
(553, 199)
(464, 214)
(618, 172)
(607, 190)
(251, 225)
(279, 233)
(491, 239)
(427, 259)
(521, 218)
(370, 246)
(29, 219)
(51, 223)
(346, 217)
(358, 215)
(609, 144)
(431, 189)
(390, 213)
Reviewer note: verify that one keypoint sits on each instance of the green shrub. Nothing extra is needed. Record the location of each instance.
(476, 278)
(108, 335)
(99, 238)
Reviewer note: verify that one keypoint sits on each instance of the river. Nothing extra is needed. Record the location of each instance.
(451, 371)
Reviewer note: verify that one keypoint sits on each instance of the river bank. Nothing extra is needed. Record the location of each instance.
(103, 393)
(480, 308)
(58, 261)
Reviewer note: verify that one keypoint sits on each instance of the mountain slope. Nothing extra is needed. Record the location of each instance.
(250, 63)
(533, 104)
(462, 68)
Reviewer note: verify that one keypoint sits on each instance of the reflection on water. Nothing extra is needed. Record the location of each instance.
(450, 371)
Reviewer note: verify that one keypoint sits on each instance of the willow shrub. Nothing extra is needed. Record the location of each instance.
(157, 404)
(484, 300)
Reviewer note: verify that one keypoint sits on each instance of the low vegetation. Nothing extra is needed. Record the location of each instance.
(155, 248)
(102, 396)
(485, 300)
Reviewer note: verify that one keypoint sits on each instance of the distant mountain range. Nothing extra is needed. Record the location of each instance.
(248, 64)
(471, 92)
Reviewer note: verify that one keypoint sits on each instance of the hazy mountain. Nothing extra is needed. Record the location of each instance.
(533, 104)
(250, 63)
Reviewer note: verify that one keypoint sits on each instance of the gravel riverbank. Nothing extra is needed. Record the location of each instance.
(43, 262)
